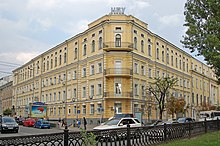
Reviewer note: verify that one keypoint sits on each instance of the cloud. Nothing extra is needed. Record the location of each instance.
(25, 56)
(174, 20)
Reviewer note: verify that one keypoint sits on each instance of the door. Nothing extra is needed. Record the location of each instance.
(118, 66)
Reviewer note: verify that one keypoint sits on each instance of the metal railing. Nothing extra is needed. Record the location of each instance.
(138, 136)
(118, 45)
(118, 94)
(118, 71)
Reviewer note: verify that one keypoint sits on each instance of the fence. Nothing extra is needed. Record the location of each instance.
(146, 135)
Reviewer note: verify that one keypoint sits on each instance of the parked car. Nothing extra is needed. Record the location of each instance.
(8, 124)
(41, 123)
(185, 120)
(118, 123)
(167, 122)
(122, 116)
(29, 122)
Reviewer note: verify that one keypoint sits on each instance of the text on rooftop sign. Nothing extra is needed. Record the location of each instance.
(117, 10)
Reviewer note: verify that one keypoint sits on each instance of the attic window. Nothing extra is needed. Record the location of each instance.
(100, 31)
(93, 35)
(149, 40)
(162, 46)
(75, 43)
(142, 35)
(85, 39)
(157, 43)
(60, 50)
(65, 48)
(135, 31)
(55, 53)
(118, 28)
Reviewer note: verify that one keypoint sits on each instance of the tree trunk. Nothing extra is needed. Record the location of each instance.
(161, 114)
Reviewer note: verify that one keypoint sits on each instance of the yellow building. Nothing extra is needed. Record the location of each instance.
(107, 69)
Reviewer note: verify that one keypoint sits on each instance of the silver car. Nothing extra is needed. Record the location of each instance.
(8, 124)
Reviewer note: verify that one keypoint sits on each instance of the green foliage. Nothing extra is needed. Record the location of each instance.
(89, 139)
(7, 112)
(218, 108)
(203, 30)
(160, 89)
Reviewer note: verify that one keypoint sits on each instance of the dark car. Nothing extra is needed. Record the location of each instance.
(8, 124)
(185, 120)
(41, 123)
(20, 120)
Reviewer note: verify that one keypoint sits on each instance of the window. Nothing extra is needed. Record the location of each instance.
(180, 64)
(197, 83)
(118, 40)
(149, 50)
(100, 43)
(135, 89)
(92, 109)
(74, 92)
(93, 46)
(84, 92)
(74, 74)
(99, 108)
(172, 60)
(158, 54)
(59, 96)
(84, 50)
(143, 90)
(99, 89)
(149, 73)
(118, 88)
(54, 96)
(158, 74)
(74, 110)
(168, 58)
(135, 68)
(55, 80)
(118, 108)
(142, 46)
(183, 66)
(47, 65)
(135, 43)
(142, 70)
(100, 67)
(55, 63)
(60, 60)
(64, 58)
(84, 109)
(84, 72)
(51, 63)
(92, 70)
(163, 56)
(64, 95)
(75, 53)
(91, 91)
(176, 63)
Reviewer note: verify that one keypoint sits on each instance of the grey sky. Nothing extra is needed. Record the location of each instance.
(30, 27)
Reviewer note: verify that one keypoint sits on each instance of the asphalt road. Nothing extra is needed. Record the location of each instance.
(30, 131)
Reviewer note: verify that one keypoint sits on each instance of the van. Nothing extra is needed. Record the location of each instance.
(209, 115)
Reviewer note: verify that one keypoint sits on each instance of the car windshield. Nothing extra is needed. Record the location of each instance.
(8, 120)
(45, 122)
(181, 120)
(112, 122)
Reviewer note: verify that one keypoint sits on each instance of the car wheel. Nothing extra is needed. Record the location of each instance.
(16, 131)
(48, 127)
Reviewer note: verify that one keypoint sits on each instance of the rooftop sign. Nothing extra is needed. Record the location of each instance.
(117, 10)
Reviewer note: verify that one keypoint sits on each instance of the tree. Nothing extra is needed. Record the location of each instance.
(175, 105)
(160, 89)
(7, 112)
(203, 30)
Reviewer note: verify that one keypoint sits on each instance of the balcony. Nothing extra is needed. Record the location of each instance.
(118, 95)
(119, 72)
(118, 46)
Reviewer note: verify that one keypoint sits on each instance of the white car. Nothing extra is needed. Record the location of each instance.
(118, 123)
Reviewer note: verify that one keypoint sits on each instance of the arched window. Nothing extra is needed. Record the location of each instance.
(93, 46)
(75, 53)
(51, 63)
(100, 43)
(135, 43)
(168, 58)
(149, 50)
(142, 46)
(60, 60)
(84, 50)
(158, 53)
(64, 57)
(163, 56)
(55, 63)
(118, 40)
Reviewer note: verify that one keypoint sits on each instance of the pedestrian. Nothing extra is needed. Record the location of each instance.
(78, 123)
(84, 122)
